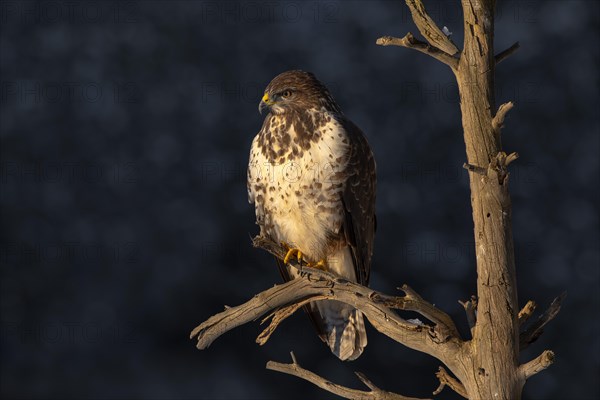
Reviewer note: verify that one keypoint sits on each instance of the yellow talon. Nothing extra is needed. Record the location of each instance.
(322, 265)
(290, 253)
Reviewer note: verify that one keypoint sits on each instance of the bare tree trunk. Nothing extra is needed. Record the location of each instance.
(495, 345)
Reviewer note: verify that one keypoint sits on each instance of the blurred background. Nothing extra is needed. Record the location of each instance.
(125, 130)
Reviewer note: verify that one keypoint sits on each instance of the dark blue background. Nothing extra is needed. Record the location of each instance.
(125, 131)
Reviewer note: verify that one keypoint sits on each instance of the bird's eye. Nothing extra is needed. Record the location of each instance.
(286, 94)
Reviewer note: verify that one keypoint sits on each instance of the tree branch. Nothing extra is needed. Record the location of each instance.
(475, 168)
(526, 312)
(538, 364)
(429, 29)
(412, 301)
(503, 55)
(440, 341)
(498, 168)
(498, 120)
(410, 42)
(279, 315)
(445, 328)
(531, 334)
(470, 307)
(375, 393)
(447, 380)
(296, 290)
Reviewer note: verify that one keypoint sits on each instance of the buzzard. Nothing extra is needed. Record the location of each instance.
(311, 177)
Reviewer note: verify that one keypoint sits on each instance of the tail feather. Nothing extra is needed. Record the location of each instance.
(345, 327)
(339, 325)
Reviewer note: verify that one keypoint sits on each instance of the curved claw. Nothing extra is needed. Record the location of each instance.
(290, 253)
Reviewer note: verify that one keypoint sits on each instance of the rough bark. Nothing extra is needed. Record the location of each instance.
(492, 369)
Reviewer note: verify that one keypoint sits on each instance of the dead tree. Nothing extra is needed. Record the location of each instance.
(486, 366)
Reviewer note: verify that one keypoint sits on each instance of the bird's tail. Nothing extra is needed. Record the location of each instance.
(344, 327)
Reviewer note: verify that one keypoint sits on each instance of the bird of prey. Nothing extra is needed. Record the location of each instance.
(311, 177)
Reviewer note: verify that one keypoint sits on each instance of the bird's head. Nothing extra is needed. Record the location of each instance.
(296, 90)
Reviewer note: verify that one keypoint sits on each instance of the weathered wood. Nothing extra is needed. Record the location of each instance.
(448, 380)
(374, 394)
(429, 29)
(538, 364)
(491, 369)
(410, 42)
(503, 55)
(536, 329)
(439, 339)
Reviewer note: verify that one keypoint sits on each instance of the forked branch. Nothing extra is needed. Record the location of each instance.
(414, 302)
(375, 393)
(444, 329)
(448, 380)
(440, 340)
(429, 29)
(410, 42)
(279, 315)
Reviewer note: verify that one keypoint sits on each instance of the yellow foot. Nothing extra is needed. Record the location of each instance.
(322, 265)
(290, 253)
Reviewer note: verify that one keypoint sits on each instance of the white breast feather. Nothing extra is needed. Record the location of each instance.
(293, 203)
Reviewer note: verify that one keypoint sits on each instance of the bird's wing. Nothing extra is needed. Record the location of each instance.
(358, 199)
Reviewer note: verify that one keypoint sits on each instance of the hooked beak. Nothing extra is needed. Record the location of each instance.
(265, 102)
